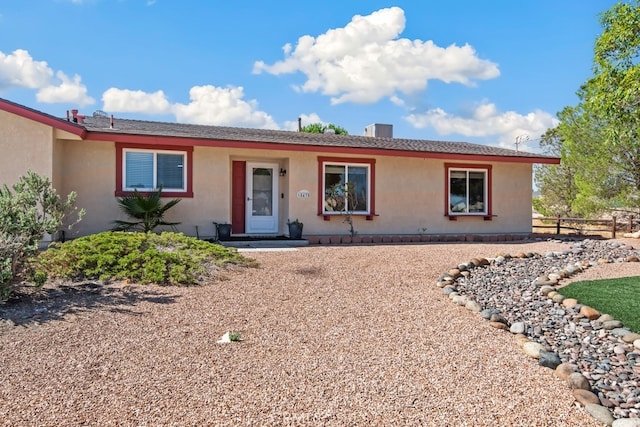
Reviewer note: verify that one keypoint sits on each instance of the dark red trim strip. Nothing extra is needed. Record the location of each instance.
(238, 196)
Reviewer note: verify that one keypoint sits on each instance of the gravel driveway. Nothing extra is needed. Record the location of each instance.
(346, 335)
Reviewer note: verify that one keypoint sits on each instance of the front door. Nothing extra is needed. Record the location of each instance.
(262, 198)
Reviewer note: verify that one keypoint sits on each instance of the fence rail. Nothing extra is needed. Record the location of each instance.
(586, 226)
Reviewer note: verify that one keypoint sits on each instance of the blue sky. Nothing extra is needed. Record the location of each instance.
(483, 72)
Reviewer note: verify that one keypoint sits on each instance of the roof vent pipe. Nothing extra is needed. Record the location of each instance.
(68, 118)
(111, 123)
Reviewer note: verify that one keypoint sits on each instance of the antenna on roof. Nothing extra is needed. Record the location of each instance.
(521, 139)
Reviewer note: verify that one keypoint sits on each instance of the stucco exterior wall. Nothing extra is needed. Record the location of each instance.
(410, 199)
(26, 145)
(409, 192)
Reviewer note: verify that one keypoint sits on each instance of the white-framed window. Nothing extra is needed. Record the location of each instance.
(468, 191)
(346, 187)
(148, 170)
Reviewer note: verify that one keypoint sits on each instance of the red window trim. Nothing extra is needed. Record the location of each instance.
(121, 146)
(453, 217)
(351, 160)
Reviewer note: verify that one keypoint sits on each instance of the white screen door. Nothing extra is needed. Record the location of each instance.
(262, 198)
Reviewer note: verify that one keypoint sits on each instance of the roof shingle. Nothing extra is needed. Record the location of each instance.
(225, 133)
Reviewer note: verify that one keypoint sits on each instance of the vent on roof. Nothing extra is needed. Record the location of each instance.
(379, 130)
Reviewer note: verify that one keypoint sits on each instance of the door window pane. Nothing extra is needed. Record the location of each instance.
(262, 192)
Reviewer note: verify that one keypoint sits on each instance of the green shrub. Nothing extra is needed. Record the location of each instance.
(28, 210)
(167, 258)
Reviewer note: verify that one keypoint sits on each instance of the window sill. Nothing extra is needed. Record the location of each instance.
(185, 194)
(369, 216)
(454, 217)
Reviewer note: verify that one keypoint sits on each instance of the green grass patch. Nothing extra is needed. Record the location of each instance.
(167, 258)
(618, 297)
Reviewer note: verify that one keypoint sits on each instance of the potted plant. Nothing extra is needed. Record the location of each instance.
(223, 231)
(295, 229)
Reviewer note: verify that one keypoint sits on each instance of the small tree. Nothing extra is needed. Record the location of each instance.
(342, 197)
(321, 128)
(32, 209)
(147, 210)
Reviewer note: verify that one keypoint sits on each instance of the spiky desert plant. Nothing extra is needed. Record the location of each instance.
(146, 209)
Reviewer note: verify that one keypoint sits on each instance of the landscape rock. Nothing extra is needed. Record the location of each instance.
(496, 317)
(517, 328)
(473, 306)
(626, 422)
(589, 312)
(569, 302)
(488, 312)
(631, 337)
(585, 397)
(611, 324)
(564, 370)
(549, 359)
(533, 349)
(499, 325)
(600, 413)
(577, 380)
(519, 291)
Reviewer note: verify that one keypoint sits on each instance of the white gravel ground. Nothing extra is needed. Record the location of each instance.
(354, 335)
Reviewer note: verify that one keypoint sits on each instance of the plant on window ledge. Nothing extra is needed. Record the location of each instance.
(343, 198)
(146, 209)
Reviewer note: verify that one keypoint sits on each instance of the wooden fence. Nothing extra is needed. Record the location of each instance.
(581, 226)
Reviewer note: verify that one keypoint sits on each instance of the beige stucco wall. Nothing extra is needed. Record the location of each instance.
(409, 192)
(410, 199)
(26, 145)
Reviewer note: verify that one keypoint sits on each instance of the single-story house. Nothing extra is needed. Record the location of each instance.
(257, 180)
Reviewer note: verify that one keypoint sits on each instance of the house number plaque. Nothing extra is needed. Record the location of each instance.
(303, 194)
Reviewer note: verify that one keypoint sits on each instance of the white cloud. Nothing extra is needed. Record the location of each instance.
(135, 101)
(210, 105)
(366, 61)
(69, 90)
(18, 69)
(485, 121)
(222, 106)
(306, 119)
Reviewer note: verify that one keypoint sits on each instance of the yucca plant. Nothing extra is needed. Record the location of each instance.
(146, 209)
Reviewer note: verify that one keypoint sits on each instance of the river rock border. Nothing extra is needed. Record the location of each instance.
(595, 354)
